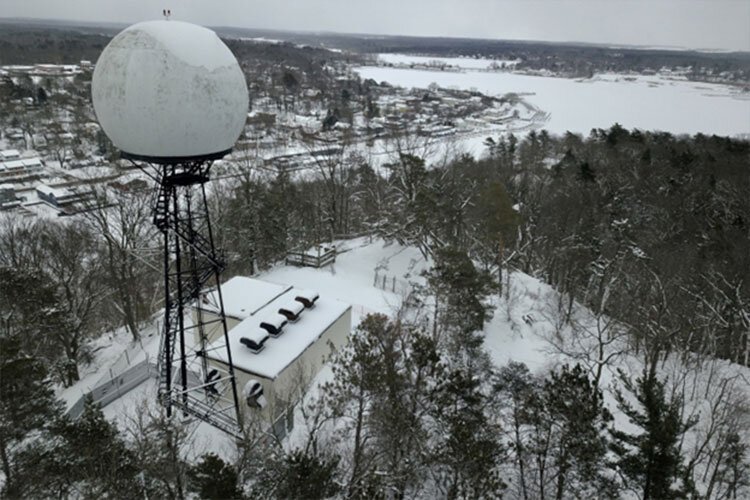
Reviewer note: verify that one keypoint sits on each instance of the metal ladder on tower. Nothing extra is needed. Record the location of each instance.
(191, 262)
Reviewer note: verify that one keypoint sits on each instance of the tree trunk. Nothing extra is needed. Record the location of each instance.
(9, 484)
(560, 482)
(500, 267)
(357, 458)
(519, 455)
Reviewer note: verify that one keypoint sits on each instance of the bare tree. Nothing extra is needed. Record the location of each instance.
(334, 161)
(58, 142)
(71, 263)
(162, 447)
(122, 221)
(20, 242)
(596, 341)
(62, 255)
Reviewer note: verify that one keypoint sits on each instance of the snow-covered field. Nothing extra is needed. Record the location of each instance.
(644, 102)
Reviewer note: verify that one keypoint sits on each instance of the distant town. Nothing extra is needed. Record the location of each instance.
(54, 151)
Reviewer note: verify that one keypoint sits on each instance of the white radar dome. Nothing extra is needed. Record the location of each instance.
(169, 90)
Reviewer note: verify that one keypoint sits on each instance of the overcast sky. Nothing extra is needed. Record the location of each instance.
(708, 24)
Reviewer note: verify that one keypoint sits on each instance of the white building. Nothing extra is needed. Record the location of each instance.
(13, 167)
(8, 198)
(280, 337)
(60, 197)
(9, 154)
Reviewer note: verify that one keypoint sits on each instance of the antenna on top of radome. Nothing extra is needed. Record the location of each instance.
(172, 98)
(167, 13)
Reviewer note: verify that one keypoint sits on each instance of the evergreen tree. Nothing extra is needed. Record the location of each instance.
(27, 411)
(350, 397)
(33, 317)
(651, 460)
(466, 452)
(734, 472)
(460, 292)
(380, 393)
(495, 224)
(411, 204)
(93, 457)
(558, 428)
(214, 479)
(307, 476)
(513, 385)
(578, 421)
(41, 96)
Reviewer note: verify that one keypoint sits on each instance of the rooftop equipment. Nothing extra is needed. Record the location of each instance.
(274, 324)
(253, 392)
(292, 310)
(255, 341)
(307, 298)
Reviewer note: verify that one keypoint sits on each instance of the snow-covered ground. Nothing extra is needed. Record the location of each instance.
(351, 279)
(520, 330)
(644, 102)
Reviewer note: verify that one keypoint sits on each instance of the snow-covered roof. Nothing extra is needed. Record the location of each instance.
(293, 306)
(281, 351)
(308, 295)
(10, 154)
(14, 164)
(274, 319)
(250, 330)
(243, 296)
(50, 191)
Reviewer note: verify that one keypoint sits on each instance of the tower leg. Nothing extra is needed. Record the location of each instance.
(205, 386)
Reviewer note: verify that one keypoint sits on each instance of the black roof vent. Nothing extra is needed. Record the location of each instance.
(291, 310)
(307, 298)
(255, 340)
(274, 324)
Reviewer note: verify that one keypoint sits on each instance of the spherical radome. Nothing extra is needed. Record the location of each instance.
(168, 89)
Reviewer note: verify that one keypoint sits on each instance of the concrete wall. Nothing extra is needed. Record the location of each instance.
(213, 330)
(309, 363)
(285, 388)
(115, 388)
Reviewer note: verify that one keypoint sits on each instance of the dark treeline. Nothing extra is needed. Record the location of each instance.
(28, 42)
(31, 44)
(570, 59)
(646, 227)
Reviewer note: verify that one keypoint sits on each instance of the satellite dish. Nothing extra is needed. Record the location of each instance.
(169, 90)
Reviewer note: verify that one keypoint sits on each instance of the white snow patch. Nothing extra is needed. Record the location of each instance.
(580, 105)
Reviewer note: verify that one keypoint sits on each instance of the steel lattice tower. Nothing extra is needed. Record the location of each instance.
(172, 98)
(191, 264)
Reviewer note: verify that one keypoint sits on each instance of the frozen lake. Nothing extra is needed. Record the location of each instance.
(644, 102)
